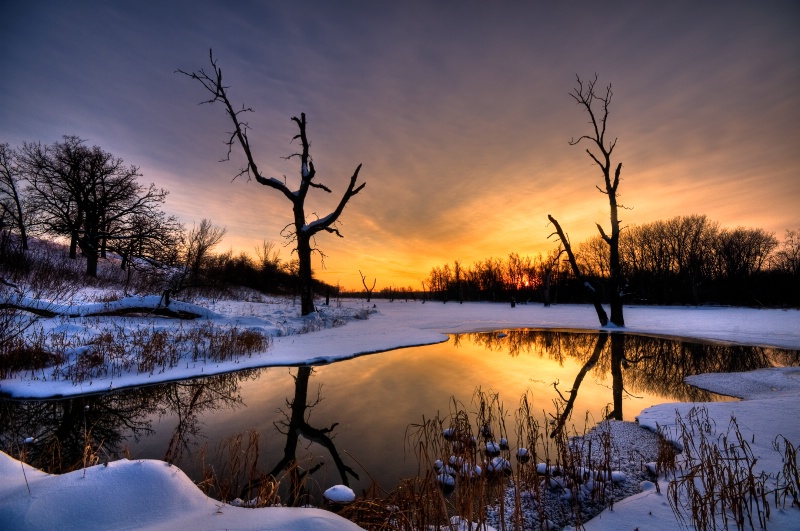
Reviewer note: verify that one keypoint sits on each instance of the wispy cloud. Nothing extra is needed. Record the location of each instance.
(459, 112)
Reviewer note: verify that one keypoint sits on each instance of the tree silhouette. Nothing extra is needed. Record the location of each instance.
(585, 96)
(364, 282)
(88, 195)
(303, 231)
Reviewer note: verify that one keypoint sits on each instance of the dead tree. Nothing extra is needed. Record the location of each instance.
(585, 96)
(300, 230)
(594, 292)
(364, 282)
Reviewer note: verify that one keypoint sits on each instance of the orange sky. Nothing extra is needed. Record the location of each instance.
(459, 113)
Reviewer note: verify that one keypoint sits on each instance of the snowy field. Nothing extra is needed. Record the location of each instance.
(154, 495)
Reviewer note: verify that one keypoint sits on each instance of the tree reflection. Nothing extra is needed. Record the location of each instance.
(296, 425)
(636, 363)
(569, 403)
(189, 399)
(66, 430)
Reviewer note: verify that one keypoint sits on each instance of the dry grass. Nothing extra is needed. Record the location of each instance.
(551, 484)
(788, 480)
(470, 472)
(717, 485)
(118, 350)
(238, 480)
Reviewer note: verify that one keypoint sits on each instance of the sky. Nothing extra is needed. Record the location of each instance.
(459, 112)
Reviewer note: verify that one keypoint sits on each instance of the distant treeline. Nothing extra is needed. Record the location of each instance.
(265, 273)
(683, 260)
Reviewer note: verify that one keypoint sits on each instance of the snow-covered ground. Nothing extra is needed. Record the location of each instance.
(770, 409)
(151, 494)
(393, 325)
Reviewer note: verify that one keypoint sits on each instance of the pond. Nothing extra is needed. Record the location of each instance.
(350, 419)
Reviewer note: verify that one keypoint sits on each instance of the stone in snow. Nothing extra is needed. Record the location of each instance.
(498, 465)
(340, 494)
(492, 448)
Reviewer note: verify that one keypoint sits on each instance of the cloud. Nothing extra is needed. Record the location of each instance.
(460, 116)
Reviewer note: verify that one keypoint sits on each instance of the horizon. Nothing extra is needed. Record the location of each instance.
(461, 116)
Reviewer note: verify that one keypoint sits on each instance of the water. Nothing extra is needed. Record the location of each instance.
(351, 417)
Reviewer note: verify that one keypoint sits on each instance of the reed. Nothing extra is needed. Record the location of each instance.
(788, 480)
(717, 485)
(470, 473)
(117, 350)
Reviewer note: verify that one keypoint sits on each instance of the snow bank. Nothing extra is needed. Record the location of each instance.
(773, 410)
(126, 494)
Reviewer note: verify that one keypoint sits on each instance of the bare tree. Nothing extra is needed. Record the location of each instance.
(742, 252)
(585, 96)
(10, 194)
(424, 291)
(303, 231)
(86, 194)
(787, 259)
(457, 274)
(201, 239)
(150, 241)
(364, 282)
(268, 257)
(152, 244)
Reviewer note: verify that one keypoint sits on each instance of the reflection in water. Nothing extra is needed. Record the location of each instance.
(566, 413)
(190, 399)
(296, 425)
(375, 398)
(650, 364)
(65, 430)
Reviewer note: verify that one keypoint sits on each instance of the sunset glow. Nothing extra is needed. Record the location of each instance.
(459, 112)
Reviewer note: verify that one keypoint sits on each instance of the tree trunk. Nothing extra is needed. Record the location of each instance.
(306, 275)
(546, 288)
(91, 264)
(73, 246)
(615, 282)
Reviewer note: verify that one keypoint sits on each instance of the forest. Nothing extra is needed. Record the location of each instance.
(686, 260)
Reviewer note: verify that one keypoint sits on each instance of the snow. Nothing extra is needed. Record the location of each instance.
(143, 494)
(760, 421)
(769, 411)
(153, 495)
(398, 325)
(340, 494)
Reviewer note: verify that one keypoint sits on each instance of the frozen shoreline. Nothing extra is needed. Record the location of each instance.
(404, 324)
